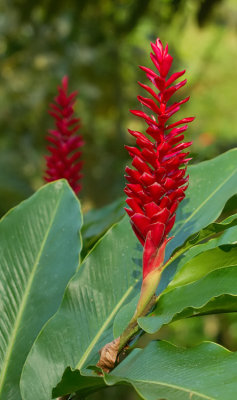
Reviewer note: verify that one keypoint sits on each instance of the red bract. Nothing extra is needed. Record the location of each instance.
(157, 183)
(64, 161)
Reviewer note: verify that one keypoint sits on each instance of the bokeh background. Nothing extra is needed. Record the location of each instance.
(99, 45)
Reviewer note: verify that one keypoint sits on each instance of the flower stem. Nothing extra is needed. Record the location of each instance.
(109, 353)
(133, 326)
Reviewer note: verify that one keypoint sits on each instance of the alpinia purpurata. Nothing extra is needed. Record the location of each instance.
(64, 161)
(157, 183)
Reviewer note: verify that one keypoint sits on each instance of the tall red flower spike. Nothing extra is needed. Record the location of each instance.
(157, 183)
(64, 161)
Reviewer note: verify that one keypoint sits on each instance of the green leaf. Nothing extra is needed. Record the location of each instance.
(163, 371)
(192, 299)
(183, 263)
(211, 184)
(83, 323)
(97, 222)
(73, 381)
(190, 247)
(105, 282)
(203, 263)
(230, 207)
(208, 232)
(206, 196)
(39, 247)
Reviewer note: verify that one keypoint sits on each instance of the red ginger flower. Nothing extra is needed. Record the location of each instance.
(157, 184)
(64, 161)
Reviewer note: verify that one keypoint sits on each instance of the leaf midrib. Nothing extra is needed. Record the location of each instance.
(159, 383)
(104, 326)
(24, 300)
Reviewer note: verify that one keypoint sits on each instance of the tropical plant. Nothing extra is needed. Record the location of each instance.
(69, 327)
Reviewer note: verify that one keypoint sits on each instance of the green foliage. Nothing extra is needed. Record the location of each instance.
(212, 293)
(97, 222)
(83, 324)
(74, 381)
(162, 370)
(39, 247)
(109, 278)
(211, 230)
(186, 263)
(194, 213)
(207, 194)
(99, 44)
(197, 263)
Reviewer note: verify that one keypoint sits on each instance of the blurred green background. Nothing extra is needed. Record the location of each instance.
(99, 45)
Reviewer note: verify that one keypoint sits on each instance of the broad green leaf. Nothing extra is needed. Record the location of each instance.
(191, 299)
(230, 207)
(39, 248)
(208, 232)
(73, 380)
(228, 238)
(187, 270)
(83, 324)
(211, 184)
(97, 222)
(194, 265)
(216, 258)
(203, 263)
(77, 338)
(190, 247)
(163, 371)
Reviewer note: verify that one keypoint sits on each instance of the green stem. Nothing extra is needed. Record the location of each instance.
(146, 300)
(133, 326)
(109, 353)
(128, 333)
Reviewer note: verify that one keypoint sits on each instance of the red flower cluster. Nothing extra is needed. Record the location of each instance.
(64, 161)
(157, 184)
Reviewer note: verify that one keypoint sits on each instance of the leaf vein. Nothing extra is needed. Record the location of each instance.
(24, 300)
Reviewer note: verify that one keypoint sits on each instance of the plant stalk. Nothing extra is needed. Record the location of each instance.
(109, 353)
